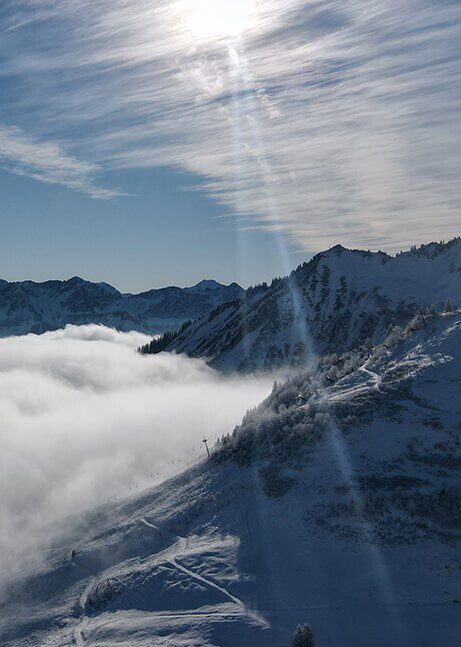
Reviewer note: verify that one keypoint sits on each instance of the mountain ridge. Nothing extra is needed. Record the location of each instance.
(332, 303)
(30, 306)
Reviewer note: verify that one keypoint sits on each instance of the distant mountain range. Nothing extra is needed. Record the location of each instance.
(27, 306)
(333, 303)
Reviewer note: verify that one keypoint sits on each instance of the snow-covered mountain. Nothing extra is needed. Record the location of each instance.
(27, 306)
(331, 304)
(336, 502)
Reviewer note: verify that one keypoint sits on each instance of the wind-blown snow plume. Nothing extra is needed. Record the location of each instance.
(84, 418)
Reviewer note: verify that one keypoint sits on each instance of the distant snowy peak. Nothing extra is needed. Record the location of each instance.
(206, 284)
(27, 306)
(333, 303)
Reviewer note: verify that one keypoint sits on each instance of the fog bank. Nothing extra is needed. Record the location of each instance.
(83, 417)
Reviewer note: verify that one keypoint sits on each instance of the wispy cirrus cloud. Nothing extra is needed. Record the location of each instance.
(48, 162)
(326, 120)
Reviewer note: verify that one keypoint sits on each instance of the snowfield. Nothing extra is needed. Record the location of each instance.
(336, 502)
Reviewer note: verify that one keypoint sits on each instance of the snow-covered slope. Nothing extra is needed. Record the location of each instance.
(36, 307)
(331, 304)
(336, 503)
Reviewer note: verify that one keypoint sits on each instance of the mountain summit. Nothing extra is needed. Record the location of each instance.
(333, 303)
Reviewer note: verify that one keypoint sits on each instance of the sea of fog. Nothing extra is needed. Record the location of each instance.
(85, 418)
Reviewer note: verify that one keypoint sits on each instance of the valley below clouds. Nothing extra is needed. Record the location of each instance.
(84, 418)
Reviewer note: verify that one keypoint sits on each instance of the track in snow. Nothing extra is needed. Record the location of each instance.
(78, 632)
(84, 620)
(205, 581)
(173, 560)
(374, 376)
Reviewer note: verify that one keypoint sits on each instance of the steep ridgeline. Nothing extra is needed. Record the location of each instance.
(36, 307)
(333, 303)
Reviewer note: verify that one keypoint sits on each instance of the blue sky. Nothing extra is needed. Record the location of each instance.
(158, 236)
(154, 142)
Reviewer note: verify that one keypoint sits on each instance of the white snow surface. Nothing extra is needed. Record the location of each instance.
(355, 533)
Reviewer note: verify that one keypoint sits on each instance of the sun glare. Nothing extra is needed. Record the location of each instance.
(221, 18)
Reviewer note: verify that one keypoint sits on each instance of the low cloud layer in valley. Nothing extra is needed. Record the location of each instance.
(83, 417)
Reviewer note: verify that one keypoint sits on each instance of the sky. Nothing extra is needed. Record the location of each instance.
(155, 142)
